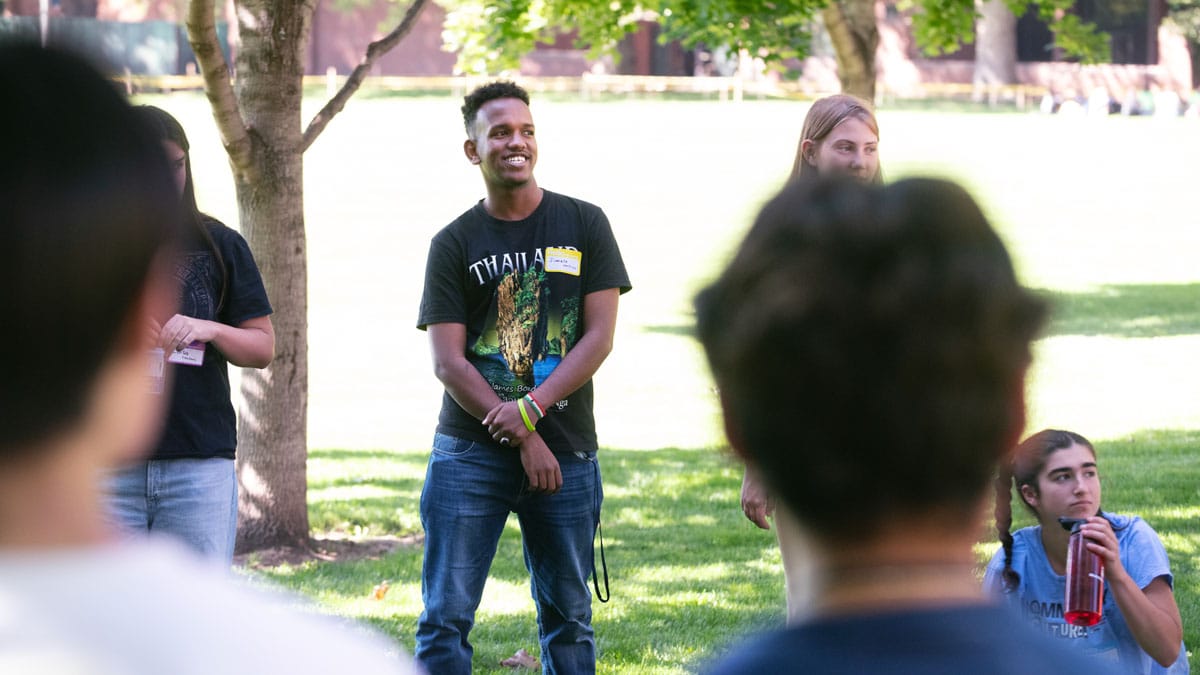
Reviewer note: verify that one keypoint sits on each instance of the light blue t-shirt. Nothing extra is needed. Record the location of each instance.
(1039, 596)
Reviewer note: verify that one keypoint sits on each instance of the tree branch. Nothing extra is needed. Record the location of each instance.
(374, 51)
(202, 34)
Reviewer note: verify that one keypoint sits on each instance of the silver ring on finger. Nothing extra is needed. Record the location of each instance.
(504, 440)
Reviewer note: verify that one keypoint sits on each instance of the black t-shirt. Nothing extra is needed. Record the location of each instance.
(201, 422)
(518, 287)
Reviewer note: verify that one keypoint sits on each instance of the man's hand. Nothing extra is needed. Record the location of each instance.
(541, 467)
(504, 421)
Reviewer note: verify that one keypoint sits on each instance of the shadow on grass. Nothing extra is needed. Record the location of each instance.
(679, 330)
(373, 491)
(402, 485)
(411, 458)
(1126, 310)
(369, 469)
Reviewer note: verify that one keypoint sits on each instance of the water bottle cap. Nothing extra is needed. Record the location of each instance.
(1072, 525)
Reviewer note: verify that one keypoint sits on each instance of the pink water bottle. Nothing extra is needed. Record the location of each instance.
(1085, 578)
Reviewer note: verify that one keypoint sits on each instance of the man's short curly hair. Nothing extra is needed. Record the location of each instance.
(489, 92)
(869, 344)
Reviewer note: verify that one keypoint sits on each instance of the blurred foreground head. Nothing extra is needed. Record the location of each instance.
(870, 345)
(88, 213)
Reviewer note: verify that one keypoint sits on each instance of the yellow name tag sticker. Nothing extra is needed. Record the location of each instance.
(563, 260)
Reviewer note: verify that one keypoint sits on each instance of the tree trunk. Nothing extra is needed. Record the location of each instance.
(855, 36)
(272, 430)
(995, 46)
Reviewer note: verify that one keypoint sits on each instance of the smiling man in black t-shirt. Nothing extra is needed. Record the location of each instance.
(520, 302)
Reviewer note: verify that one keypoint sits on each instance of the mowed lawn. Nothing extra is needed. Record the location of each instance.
(1099, 213)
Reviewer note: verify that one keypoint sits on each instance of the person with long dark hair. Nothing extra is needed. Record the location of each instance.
(188, 487)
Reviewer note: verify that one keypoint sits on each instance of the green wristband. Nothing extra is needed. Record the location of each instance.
(525, 415)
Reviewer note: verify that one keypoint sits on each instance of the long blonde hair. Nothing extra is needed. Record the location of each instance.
(824, 115)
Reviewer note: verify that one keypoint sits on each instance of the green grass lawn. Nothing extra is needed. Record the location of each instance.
(687, 571)
(1100, 214)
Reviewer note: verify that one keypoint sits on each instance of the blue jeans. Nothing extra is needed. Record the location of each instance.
(470, 489)
(194, 500)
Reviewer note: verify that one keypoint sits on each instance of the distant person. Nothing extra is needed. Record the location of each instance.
(840, 137)
(520, 302)
(1056, 475)
(870, 346)
(188, 488)
(89, 222)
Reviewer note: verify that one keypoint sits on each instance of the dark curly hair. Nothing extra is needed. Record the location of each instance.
(489, 92)
(869, 343)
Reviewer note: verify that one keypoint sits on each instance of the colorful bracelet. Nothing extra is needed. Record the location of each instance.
(525, 415)
(536, 406)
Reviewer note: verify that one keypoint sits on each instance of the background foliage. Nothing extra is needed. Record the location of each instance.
(491, 36)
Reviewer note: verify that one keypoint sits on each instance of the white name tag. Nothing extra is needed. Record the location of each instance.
(563, 260)
(155, 369)
(191, 355)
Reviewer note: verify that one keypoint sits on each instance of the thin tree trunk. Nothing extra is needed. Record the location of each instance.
(855, 36)
(995, 46)
(272, 433)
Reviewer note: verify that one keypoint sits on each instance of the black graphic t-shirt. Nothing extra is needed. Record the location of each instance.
(201, 422)
(518, 287)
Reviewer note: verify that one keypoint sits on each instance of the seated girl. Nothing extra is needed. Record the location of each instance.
(1056, 475)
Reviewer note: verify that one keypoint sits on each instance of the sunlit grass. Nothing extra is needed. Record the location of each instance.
(688, 573)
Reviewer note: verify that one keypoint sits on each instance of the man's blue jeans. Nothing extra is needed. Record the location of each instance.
(470, 488)
(194, 500)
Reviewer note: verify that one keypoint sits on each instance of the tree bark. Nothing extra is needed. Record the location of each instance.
(855, 36)
(995, 45)
(272, 430)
